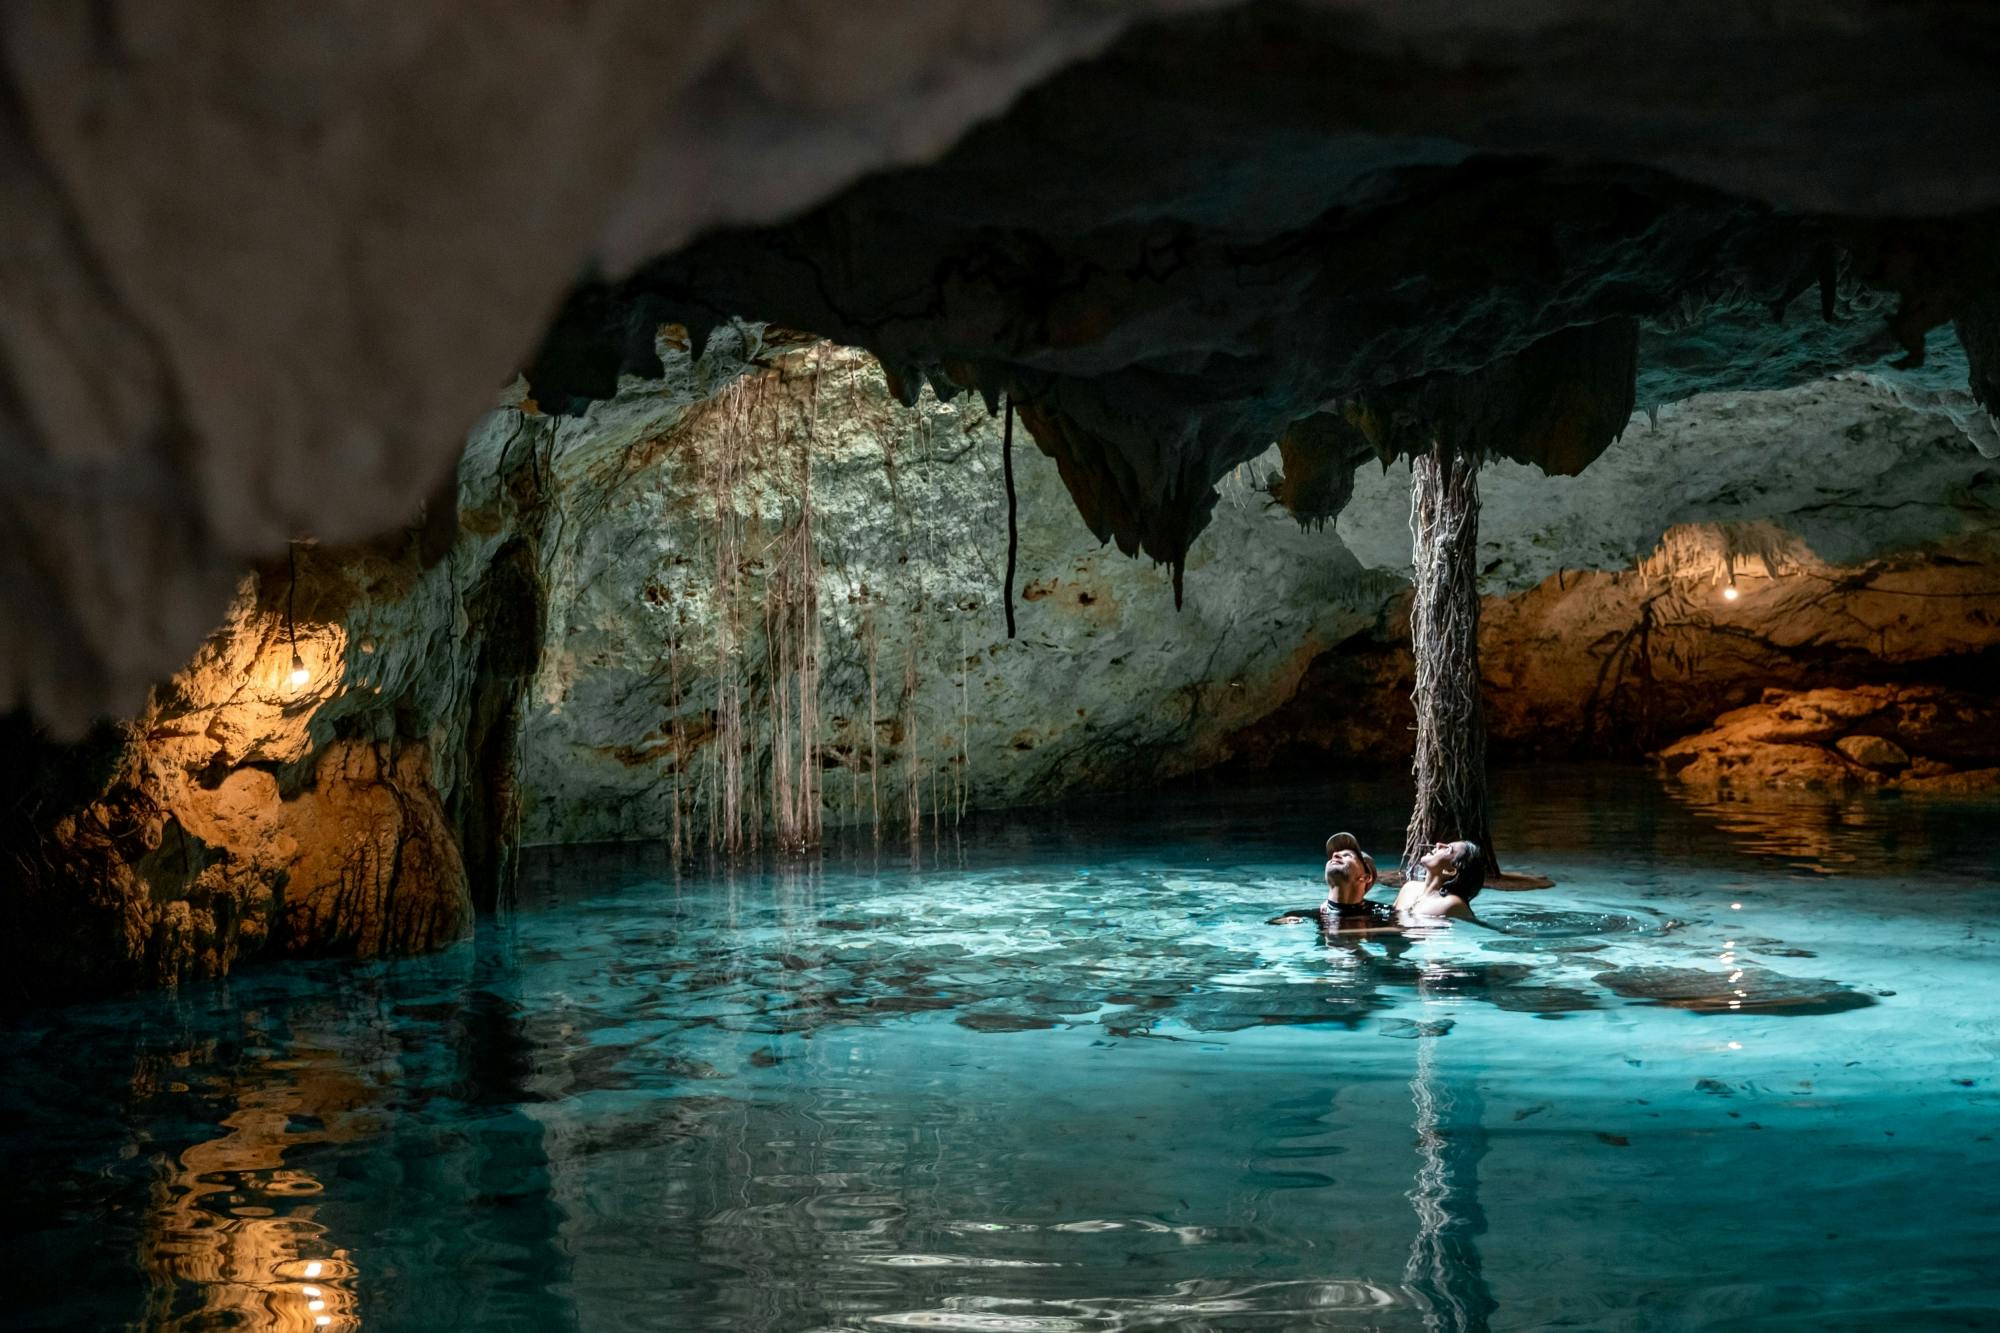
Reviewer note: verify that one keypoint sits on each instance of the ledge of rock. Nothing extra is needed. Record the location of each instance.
(1893, 737)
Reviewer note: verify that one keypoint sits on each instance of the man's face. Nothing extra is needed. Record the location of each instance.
(1345, 877)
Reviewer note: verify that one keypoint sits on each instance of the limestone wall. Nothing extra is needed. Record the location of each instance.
(758, 594)
(1862, 537)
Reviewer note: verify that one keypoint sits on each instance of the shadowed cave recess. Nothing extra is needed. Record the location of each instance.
(722, 567)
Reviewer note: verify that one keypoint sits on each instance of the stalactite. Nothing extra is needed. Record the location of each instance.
(1450, 761)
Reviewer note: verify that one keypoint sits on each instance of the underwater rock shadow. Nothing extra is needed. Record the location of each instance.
(1739, 990)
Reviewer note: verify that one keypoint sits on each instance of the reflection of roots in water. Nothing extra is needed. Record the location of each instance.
(1187, 1303)
(223, 1221)
(1444, 1267)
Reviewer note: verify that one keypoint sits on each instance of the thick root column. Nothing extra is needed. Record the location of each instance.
(1450, 763)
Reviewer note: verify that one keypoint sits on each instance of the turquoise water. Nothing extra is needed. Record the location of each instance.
(1055, 1073)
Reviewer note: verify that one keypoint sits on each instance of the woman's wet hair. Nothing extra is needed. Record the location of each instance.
(1468, 869)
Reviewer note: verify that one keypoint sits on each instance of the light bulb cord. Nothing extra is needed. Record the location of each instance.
(291, 596)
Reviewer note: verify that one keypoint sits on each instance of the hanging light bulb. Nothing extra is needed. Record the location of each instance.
(299, 675)
(1729, 593)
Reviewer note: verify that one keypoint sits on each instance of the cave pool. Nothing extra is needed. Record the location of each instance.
(1052, 1072)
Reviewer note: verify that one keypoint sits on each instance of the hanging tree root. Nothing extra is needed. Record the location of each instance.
(1450, 761)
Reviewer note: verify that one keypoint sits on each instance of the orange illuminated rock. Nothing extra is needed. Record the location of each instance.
(1909, 738)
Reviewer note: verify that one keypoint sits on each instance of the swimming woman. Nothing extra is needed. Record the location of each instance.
(1454, 872)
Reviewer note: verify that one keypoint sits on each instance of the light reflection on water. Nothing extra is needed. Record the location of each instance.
(1058, 1074)
(231, 1239)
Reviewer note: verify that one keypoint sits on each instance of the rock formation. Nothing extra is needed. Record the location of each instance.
(926, 708)
(270, 269)
(242, 813)
(567, 652)
(1909, 738)
(1860, 536)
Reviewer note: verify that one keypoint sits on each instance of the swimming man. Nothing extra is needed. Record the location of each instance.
(1350, 874)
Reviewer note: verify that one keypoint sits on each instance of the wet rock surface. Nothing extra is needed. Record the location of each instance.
(1898, 738)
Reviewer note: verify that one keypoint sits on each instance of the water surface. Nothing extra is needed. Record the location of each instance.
(1053, 1072)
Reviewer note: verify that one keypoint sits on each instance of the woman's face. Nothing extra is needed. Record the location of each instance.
(1442, 858)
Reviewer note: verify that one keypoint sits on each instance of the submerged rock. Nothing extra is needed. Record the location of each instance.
(1744, 990)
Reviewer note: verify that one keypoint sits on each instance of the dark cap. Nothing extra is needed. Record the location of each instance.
(1343, 842)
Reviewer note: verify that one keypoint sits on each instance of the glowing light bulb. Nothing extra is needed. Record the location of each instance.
(299, 675)
(1729, 593)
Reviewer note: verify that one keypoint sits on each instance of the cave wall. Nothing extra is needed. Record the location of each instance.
(239, 814)
(1105, 681)
(564, 650)
(1862, 533)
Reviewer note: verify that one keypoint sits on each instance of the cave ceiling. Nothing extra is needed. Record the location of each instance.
(259, 274)
(1271, 222)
